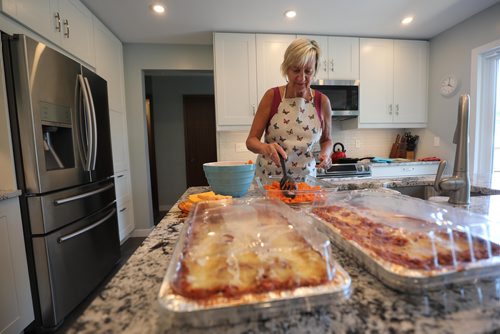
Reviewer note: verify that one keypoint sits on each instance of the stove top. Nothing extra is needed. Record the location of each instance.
(345, 170)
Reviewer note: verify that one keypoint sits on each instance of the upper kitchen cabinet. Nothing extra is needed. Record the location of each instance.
(339, 59)
(270, 51)
(235, 80)
(393, 83)
(67, 23)
(109, 64)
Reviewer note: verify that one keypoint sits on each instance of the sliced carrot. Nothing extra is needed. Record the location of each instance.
(305, 192)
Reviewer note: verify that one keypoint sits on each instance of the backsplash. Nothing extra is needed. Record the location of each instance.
(371, 142)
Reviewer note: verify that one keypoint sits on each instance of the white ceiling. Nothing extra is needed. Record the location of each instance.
(193, 21)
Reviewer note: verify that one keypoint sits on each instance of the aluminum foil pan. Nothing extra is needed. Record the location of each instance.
(177, 310)
(407, 214)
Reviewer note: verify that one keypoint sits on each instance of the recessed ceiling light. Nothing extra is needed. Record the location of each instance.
(290, 14)
(407, 20)
(158, 8)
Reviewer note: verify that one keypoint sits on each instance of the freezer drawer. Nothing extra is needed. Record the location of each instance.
(55, 210)
(72, 261)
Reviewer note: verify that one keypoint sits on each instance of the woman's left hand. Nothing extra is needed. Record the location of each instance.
(325, 161)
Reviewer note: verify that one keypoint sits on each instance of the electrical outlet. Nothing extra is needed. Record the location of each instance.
(358, 143)
(436, 141)
(240, 147)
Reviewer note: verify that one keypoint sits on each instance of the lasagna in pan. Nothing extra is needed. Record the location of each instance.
(248, 249)
(406, 242)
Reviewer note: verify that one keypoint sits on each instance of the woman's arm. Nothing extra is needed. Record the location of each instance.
(259, 125)
(325, 142)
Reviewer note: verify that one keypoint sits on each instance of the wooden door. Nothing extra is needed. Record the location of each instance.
(199, 136)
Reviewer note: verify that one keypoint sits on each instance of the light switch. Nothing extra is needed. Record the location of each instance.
(436, 141)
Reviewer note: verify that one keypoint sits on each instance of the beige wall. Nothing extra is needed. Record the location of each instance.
(450, 52)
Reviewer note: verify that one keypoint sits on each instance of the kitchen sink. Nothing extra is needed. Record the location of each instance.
(426, 191)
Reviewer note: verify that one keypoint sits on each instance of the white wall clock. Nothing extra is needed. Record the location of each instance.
(448, 85)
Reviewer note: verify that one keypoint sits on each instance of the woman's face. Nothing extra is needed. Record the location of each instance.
(300, 77)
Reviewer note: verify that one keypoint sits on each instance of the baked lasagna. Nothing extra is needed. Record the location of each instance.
(229, 253)
(405, 241)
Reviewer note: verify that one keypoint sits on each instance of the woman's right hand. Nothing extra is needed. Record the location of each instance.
(272, 150)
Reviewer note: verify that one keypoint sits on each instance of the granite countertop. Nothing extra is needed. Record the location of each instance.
(128, 304)
(479, 183)
(6, 194)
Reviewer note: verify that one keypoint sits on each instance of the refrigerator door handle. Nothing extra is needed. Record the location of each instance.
(82, 147)
(93, 156)
(84, 195)
(90, 133)
(86, 229)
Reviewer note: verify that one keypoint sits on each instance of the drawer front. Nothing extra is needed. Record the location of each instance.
(122, 184)
(125, 217)
(72, 261)
(53, 211)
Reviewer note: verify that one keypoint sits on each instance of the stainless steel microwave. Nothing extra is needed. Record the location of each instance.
(343, 95)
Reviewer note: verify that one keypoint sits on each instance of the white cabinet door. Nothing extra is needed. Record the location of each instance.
(124, 205)
(344, 58)
(77, 35)
(410, 81)
(16, 307)
(339, 57)
(66, 23)
(393, 85)
(270, 51)
(119, 140)
(109, 64)
(235, 78)
(36, 14)
(376, 80)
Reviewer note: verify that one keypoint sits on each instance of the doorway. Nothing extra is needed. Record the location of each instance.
(199, 136)
(167, 89)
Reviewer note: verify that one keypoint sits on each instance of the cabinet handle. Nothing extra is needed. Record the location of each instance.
(253, 109)
(397, 107)
(390, 109)
(325, 65)
(332, 65)
(58, 21)
(66, 30)
(123, 209)
(121, 175)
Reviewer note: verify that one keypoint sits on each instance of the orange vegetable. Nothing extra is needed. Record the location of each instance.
(305, 193)
(250, 162)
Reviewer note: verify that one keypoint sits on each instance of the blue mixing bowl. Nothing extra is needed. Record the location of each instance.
(229, 177)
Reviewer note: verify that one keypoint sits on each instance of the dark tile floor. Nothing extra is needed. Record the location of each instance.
(127, 249)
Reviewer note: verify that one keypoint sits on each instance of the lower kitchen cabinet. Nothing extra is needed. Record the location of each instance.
(124, 205)
(16, 307)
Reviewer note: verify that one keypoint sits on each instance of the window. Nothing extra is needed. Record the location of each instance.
(485, 110)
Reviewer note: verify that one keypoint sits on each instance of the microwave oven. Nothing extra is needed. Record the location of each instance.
(343, 95)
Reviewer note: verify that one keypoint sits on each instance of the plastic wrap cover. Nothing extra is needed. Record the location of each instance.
(408, 243)
(244, 259)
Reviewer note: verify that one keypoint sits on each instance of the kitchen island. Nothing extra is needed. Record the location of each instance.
(129, 304)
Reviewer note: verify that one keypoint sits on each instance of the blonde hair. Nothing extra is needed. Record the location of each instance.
(299, 53)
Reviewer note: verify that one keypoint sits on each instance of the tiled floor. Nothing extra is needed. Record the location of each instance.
(127, 249)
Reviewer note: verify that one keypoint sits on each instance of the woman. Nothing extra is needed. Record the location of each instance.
(294, 117)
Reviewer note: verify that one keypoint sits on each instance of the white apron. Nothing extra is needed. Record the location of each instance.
(296, 126)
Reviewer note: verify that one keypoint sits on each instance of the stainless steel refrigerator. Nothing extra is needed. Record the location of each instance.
(61, 137)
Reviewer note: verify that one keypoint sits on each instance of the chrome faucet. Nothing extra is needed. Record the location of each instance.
(458, 185)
